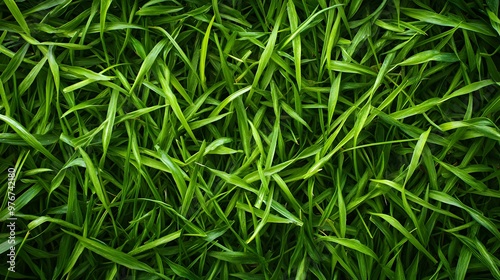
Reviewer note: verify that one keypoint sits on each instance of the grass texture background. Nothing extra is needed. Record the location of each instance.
(261, 139)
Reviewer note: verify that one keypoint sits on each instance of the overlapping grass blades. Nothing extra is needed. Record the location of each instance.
(270, 139)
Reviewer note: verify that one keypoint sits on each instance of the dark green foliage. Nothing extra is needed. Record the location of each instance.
(274, 139)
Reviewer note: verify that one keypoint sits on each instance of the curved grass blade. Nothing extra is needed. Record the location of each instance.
(113, 255)
(29, 138)
(14, 10)
(351, 244)
(397, 225)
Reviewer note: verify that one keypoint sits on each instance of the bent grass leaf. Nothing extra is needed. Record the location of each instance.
(14, 10)
(397, 225)
(427, 56)
(477, 216)
(156, 243)
(29, 138)
(351, 244)
(112, 254)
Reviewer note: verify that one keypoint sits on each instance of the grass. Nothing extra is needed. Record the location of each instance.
(271, 139)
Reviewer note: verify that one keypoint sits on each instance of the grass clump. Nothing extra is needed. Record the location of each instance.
(251, 139)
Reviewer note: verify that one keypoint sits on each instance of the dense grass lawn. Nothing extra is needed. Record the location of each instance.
(259, 139)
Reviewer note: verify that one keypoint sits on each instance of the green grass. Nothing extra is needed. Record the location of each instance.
(266, 139)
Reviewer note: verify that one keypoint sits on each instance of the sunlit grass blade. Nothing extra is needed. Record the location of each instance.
(14, 10)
